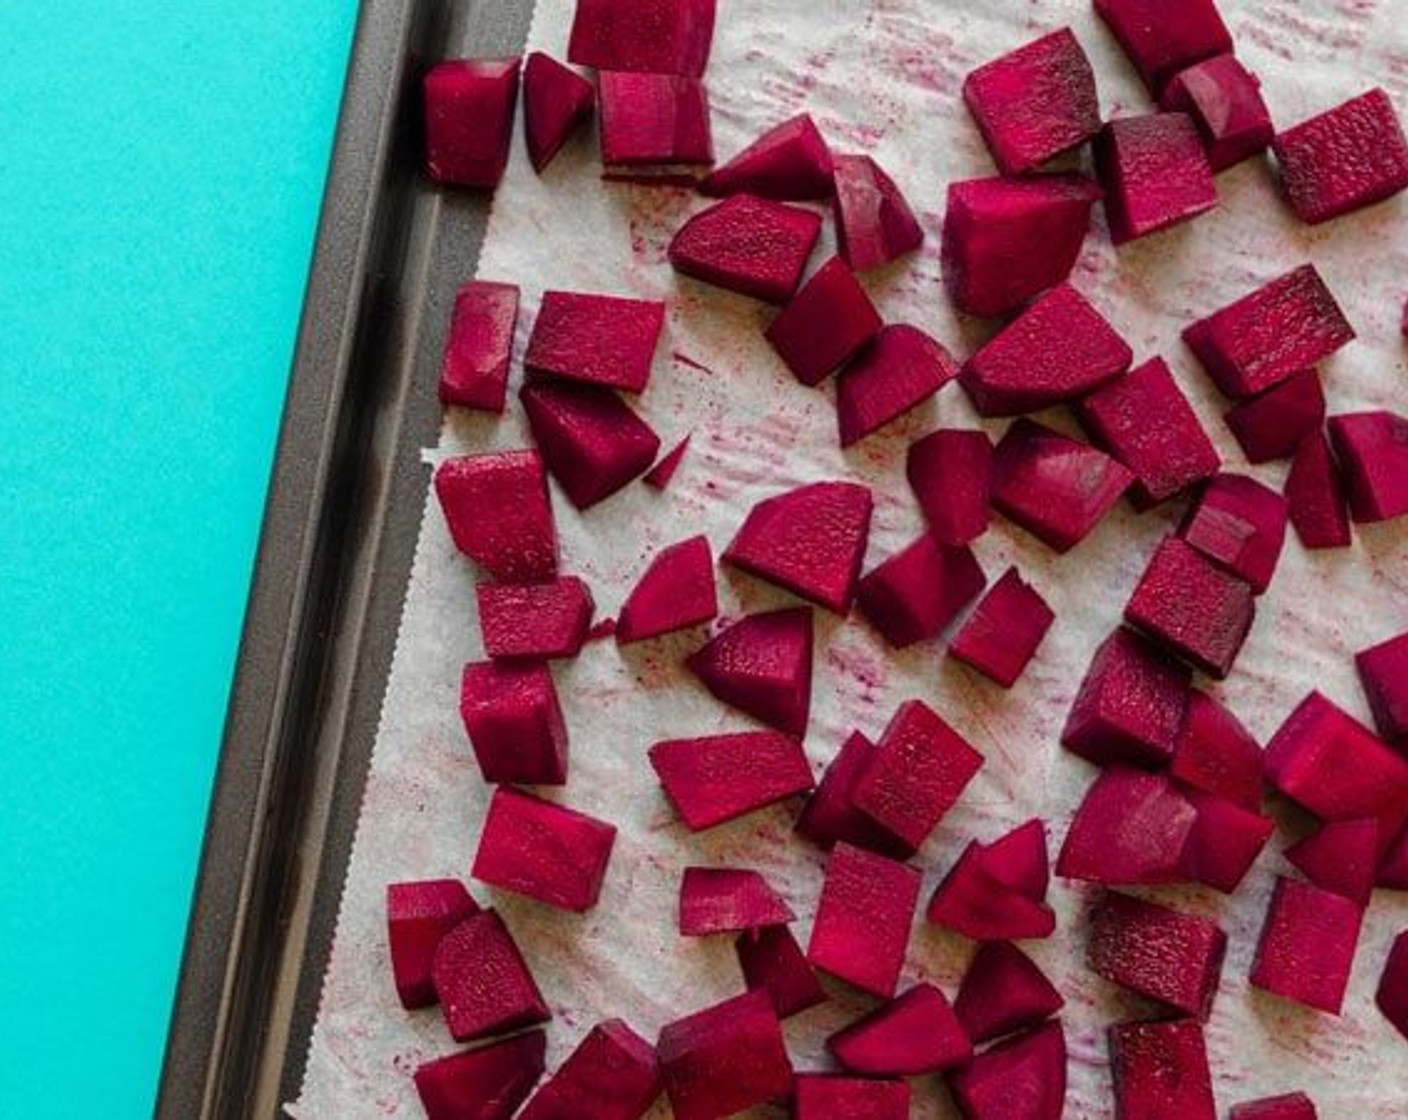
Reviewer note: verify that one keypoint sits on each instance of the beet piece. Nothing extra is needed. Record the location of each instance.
(1272, 425)
(1216, 754)
(1058, 349)
(1291, 1106)
(827, 1097)
(474, 368)
(830, 817)
(1018, 860)
(914, 1034)
(1315, 496)
(590, 439)
(659, 36)
(1281, 329)
(724, 1059)
(826, 323)
(1022, 1078)
(482, 981)
(862, 923)
(1393, 864)
(1392, 994)
(1372, 448)
(418, 915)
(1160, 1071)
(1035, 102)
(1241, 525)
(1131, 829)
(514, 722)
(716, 778)
(1056, 488)
(1007, 240)
(762, 665)
(1002, 634)
(974, 901)
(1164, 954)
(1161, 40)
(1155, 174)
(950, 472)
(556, 101)
(602, 340)
(485, 1084)
(790, 162)
(1130, 706)
(810, 541)
(648, 119)
(899, 369)
(727, 900)
(1004, 991)
(499, 514)
(663, 472)
(676, 590)
(916, 593)
(1383, 671)
(1307, 945)
(747, 245)
(543, 850)
(874, 224)
(536, 620)
(1340, 856)
(611, 1075)
(1224, 99)
(469, 106)
(774, 963)
(1146, 422)
(1225, 841)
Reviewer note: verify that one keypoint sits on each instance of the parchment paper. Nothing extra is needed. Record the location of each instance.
(879, 76)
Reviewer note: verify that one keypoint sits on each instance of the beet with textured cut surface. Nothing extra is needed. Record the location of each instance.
(774, 963)
(1164, 954)
(474, 368)
(1241, 524)
(914, 1034)
(1160, 1071)
(1131, 829)
(535, 620)
(790, 162)
(1372, 448)
(556, 101)
(916, 593)
(830, 816)
(1340, 856)
(1392, 994)
(1215, 753)
(590, 439)
(727, 900)
(658, 36)
(1155, 174)
(874, 224)
(1224, 99)
(899, 369)
(485, 1084)
(1272, 425)
(747, 245)
(418, 915)
(1315, 495)
(482, 981)
(762, 665)
(663, 472)
(543, 850)
(726, 1058)
(602, 340)
(950, 472)
(716, 778)
(1307, 945)
(975, 900)
(825, 324)
(1002, 635)
(514, 722)
(1290, 1106)
(499, 513)
(676, 590)
(611, 1075)
(863, 920)
(649, 119)
(469, 107)
(1004, 991)
(1021, 1078)
(1161, 39)
(1225, 841)
(821, 1096)
(1018, 860)
(1383, 671)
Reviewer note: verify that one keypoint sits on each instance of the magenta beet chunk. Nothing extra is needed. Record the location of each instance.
(1021, 1078)
(716, 778)
(1155, 174)
(663, 472)
(1216, 754)
(1307, 945)
(1276, 332)
(514, 722)
(774, 963)
(1164, 954)
(657, 36)
(789, 162)
(1226, 840)
(862, 923)
(1224, 99)
(762, 665)
(972, 899)
(810, 541)
(482, 981)
(830, 817)
(827, 1097)
(418, 915)
(469, 107)
(1130, 706)
(1131, 829)
(1160, 1071)
(1004, 991)
(1372, 448)
(726, 1058)
(1315, 496)
(1018, 860)
(1350, 157)
(826, 323)
(1241, 525)
(914, 595)
(1060, 348)
(1007, 240)
(590, 439)
(602, 340)
(499, 513)
(474, 369)
(900, 368)
(1161, 39)
(747, 245)
(1002, 634)
(950, 472)
(1392, 994)
(675, 590)
(1340, 856)
(543, 850)
(485, 1084)
(1393, 863)
(535, 620)
(611, 1075)
(1291, 1106)
(1383, 671)
(874, 224)
(1146, 422)
(727, 900)
(556, 101)
(1035, 102)
(649, 119)
(1272, 425)
(914, 1034)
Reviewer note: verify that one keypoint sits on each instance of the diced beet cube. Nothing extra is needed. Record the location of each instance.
(1131, 829)
(1160, 1071)
(762, 665)
(1004, 991)
(485, 1084)
(1035, 102)
(1130, 706)
(1007, 240)
(1002, 634)
(1022, 1078)
(418, 915)
(914, 1034)
(556, 101)
(663, 472)
(1345, 159)
(1224, 99)
(650, 119)
(660, 36)
(827, 1097)
(1161, 39)
(675, 590)
(1383, 671)
(727, 900)
(535, 620)
(826, 323)
(716, 778)
(830, 816)
(774, 963)
(1307, 945)
(789, 162)
(1291, 1106)
(543, 850)
(900, 368)
(1315, 495)
(914, 595)
(1340, 856)
(1056, 488)
(1392, 994)
(1372, 448)
(469, 107)
(1146, 422)
(474, 369)
(1215, 753)
(514, 722)
(1240, 524)
(1155, 174)
(950, 472)
(1060, 348)
(611, 1075)
(590, 439)
(874, 224)
(499, 513)
(748, 245)
(1272, 425)
(810, 541)
(1164, 954)
(862, 923)
(1276, 332)
(1018, 860)
(726, 1058)
(976, 902)
(482, 981)
(602, 340)
(1226, 840)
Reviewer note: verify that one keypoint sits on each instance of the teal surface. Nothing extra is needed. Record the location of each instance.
(161, 166)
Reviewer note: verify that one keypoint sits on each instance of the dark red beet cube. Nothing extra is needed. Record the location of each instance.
(474, 369)
(1003, 991)
(830, 816)
(826, 323)
(1022, 1078)
(1002, 634)
(658, 36)
(1392, 994)
(499, 514)
(774, 963)
(914, 595)
(418, 915)
(826, 1097)
(1224, 99)
(543, 850)
(762, 665)
(978, 899)
(591, 441)
(1372, 447)
(1383, 670)
(789, 162)
(724, 1059)
(1131, 829)
(748, 245)
(727, 900)
(1307, 945)
(1160, 1071)
(1215, 753)
(556, 102)
(482, 982)
(1291, 1106)
(719, 777)
(514, 722)
(1155, 174)
(1161, 953)
(485, 1084)
(1315, 495)
(535, 620)
(676, 590)
(1241, 525)
(1340, 856)
(612, 1075)
(1272, 425)
(950, 472)
(602, 340)
(651, 119)
(914, 1034)
(1161, 39)
(469, 106)
(874, 224)
(899, 369)
(863, 921)
(1225, 841)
